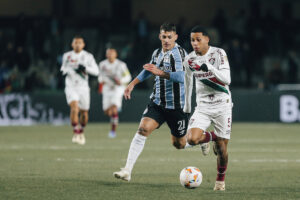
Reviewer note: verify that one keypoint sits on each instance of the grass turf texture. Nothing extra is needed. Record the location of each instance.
(40, 162)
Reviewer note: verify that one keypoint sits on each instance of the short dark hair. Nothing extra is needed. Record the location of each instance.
(78, 37)
(167, 26)
(199, 29)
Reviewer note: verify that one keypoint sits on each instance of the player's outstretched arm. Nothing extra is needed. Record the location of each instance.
(130, 87)
(154, 70)
(173, 76)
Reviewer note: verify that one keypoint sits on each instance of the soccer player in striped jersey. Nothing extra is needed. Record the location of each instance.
(77, 66)
(210, 67)
(166, 100)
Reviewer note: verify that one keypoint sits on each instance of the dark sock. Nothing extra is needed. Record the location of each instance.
(209, 136)
(221, 173)
(114, 122)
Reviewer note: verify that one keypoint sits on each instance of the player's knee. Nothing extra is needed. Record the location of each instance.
(75, 109)
(143, 130)
(178, 145)
(193, 139)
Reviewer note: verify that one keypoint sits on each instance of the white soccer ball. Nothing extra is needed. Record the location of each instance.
(190, 177)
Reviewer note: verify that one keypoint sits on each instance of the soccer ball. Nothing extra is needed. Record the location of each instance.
(190, 177)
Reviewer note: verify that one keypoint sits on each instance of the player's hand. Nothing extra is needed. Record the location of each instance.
(153, 69)
(117, 81)
(196, 65)
(81, 69)
(127, 92)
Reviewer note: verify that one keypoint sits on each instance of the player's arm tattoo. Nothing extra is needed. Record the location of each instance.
(165, 75)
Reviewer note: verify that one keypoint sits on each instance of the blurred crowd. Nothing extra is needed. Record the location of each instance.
(262, 47)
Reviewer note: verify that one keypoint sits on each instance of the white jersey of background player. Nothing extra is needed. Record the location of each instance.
(114, 77)
(77, 64)
(210, 67)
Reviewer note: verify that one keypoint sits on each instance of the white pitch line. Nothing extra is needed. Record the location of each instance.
(86, 147)
(168, 160)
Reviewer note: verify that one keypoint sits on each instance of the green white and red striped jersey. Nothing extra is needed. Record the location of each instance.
(212, 85)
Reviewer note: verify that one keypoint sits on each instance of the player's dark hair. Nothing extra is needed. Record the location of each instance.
(167, 26)
(199, 29)
(78, 37)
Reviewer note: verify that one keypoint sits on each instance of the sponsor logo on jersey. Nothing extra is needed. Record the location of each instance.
(203, 75)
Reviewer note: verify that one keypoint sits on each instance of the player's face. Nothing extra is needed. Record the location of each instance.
(111, 54)
(78, 44)
(199, 43)
(167, 39)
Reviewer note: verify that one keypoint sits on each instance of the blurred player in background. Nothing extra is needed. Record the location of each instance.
(210, 67)
(166, 101)
(113, 79)
(77, 65)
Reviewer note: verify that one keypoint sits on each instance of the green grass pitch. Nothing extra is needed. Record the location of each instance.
(40, 162)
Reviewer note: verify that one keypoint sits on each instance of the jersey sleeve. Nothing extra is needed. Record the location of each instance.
(100, 76)
(92, 67)
(125, 75)
(222, 71)
(65, 69)
(188, 87)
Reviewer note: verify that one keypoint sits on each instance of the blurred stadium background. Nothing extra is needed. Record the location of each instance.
(262, 40)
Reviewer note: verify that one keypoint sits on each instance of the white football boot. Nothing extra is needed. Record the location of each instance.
(112, 134)
(81, 139)
(75, 138)
(124, 174)
(220, 185)
(205, 148)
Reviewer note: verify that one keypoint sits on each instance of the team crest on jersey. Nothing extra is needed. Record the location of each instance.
(212, 61)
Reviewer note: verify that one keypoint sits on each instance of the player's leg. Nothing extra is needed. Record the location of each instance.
(222, 130)
(147, 125)
(74, 111)
(84, 106)
(196, 134)
(222, 161)
(114, 120)
(116, 104)
(72, 97)
(152, 119)
(199, 136)
(83, 122)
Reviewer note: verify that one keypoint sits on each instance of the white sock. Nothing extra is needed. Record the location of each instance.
(187, 145)
(136, 147)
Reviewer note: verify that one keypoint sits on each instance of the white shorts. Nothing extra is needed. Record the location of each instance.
(82, 95)
(113, 97)
(219, 114)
